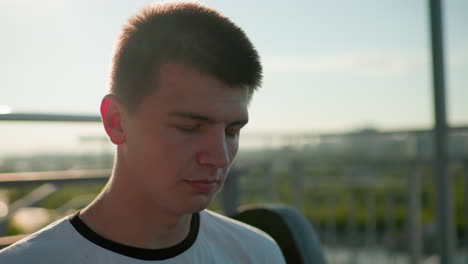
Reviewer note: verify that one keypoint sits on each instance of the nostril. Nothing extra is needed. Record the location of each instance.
(210, 159)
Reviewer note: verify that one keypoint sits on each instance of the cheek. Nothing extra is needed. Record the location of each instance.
(147, 147)
(177, 150)
(174, 142)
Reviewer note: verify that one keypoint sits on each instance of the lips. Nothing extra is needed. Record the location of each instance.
(203, 185)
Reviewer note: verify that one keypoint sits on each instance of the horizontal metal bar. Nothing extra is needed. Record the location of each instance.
(364, 133)
(49, 117)
(56, 177)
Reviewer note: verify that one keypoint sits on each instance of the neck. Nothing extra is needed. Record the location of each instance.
(123, 216)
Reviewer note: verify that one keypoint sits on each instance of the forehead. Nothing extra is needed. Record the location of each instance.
(183, 88)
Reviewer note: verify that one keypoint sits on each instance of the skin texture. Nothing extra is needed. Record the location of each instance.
(173, 155)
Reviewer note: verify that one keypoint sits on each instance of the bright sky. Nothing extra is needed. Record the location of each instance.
(330, 65)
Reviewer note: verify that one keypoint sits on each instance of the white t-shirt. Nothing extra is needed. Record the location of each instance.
(213, 238)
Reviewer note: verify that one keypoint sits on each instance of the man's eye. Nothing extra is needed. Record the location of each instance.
(188, 129)
(232, 132)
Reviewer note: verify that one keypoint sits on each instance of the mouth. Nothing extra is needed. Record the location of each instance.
(203, 185)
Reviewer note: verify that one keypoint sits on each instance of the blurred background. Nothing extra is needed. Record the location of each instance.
(341, 128)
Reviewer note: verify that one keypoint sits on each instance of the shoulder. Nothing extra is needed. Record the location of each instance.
(47, 245)
(239, 236)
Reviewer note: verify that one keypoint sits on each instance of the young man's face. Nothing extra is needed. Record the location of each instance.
(183, 138)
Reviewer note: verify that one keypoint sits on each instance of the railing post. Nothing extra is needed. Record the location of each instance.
(269, 189)
(389, 220)
(466, 200)
(298, 184)
(443, 181)
(371, 218)
(315, 203)
(414, 208)
(331, 218)
(352, 226)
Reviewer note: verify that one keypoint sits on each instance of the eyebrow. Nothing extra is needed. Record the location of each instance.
(205, 119)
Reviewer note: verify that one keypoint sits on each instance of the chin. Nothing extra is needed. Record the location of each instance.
(198, 204)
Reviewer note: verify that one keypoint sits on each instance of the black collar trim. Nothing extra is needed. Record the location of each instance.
(135, 252)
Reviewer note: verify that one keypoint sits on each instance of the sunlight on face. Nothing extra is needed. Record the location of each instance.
(182, 140)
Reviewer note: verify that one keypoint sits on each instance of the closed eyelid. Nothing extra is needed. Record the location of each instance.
(237, 125)
(235, 128)
(189, 126)
(188, 129)
(192, 116)
(205, 119)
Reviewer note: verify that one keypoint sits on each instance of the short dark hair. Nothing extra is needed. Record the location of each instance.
(181, 32)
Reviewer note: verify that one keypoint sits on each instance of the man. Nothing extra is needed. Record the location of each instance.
(182, 77)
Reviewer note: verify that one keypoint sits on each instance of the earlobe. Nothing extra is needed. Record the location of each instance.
(112, 119)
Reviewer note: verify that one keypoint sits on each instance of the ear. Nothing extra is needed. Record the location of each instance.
(112, 114)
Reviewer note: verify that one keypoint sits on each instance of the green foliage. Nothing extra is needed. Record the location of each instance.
(328, 188)
(12, 229)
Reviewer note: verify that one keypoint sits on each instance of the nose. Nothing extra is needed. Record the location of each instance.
(214, 151)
